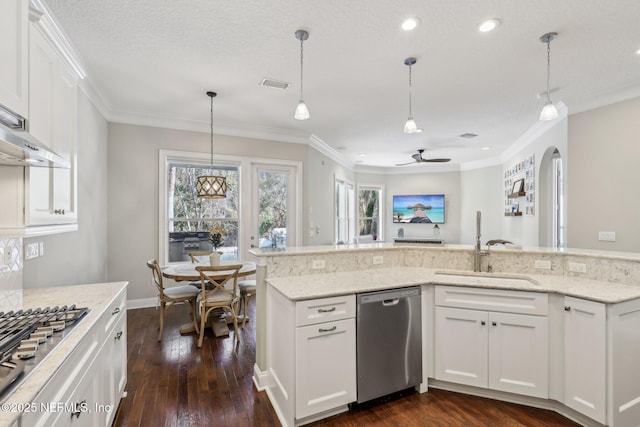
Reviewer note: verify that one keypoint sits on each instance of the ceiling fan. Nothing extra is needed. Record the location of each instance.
(418, 159)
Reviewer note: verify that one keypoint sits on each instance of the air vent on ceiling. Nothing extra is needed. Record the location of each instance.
(276, 84)
(468, 135)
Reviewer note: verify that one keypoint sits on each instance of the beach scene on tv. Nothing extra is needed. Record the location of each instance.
(427, 208)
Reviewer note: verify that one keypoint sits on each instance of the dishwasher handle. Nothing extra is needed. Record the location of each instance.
(390, 302)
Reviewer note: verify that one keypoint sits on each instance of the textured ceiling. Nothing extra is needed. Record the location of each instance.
(153, 61)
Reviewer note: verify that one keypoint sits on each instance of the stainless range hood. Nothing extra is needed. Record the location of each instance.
(18, 148)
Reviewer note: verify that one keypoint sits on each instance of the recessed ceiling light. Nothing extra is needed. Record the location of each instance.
(638, 51)
(410, 23)
(489, 25)
(486, 148)
(362, 154)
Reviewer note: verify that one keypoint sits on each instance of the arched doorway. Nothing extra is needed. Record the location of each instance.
(552, 230)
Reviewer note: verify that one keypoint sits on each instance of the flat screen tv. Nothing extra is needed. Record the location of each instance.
(420, 209)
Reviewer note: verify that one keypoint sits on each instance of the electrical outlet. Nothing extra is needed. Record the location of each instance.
(378, 259)
(607, 236)
(317, 264)
(31, 251)
(543, 264)
(577, 267)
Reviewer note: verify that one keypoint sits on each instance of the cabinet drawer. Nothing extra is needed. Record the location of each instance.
(115, 312)
(325, 310)
(506, 301)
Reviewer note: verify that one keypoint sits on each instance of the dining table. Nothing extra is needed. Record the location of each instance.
(186, 271)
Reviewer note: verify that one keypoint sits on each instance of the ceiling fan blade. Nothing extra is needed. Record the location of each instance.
(417, 157)
(436, 160)
(404, 164)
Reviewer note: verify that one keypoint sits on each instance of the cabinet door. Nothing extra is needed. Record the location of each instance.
(325, 366)
(461, 346)
(13, 65)
(585, 357)
(518, 354)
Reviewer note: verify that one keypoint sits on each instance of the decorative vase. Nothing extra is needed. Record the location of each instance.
(214, 258)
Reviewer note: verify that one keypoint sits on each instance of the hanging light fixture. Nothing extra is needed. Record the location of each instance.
(211, 186)
(549, 111)
(302, 112)
(410, 126)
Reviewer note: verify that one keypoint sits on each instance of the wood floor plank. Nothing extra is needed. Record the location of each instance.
(175, 383)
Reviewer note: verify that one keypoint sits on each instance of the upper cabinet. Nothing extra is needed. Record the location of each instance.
(14, 22)
(51, 193)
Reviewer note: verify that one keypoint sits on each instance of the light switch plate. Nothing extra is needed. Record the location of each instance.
(577, 267)
(31, 251)
(607, 236)
(378, 259)
(543, 264)
(317, 264)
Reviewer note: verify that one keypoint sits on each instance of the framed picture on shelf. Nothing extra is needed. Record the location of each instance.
(518, 186)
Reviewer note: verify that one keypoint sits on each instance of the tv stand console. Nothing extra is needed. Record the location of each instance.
(417, 241)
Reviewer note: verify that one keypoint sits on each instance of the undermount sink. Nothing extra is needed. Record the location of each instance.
(487, 278)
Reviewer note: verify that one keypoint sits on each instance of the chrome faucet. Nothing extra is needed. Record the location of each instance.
(478, 252)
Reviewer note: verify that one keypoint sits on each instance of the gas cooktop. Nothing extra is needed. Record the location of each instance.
(27, 337)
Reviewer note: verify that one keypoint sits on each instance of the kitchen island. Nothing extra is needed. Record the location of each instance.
(573, 335)
(84, 375)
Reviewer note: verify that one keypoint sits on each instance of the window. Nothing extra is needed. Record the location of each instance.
(190, 218)
(345, 212)
(369, 211)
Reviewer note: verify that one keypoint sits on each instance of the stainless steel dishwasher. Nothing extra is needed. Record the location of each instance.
(389, 342)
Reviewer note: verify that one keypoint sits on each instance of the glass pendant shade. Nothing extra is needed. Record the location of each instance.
(211, 187)
(410, 126)
(302, 112)
(549, 111)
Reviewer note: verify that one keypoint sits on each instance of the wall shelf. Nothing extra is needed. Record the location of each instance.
(513, 214)
(518, 194)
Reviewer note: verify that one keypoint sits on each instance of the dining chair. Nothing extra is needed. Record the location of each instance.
(219, 296)
(247, 290)
(196, 254)
(172, 295)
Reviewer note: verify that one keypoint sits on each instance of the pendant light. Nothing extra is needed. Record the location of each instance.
(410, 126)
(302, 112)
(549, 111)
(211, 186)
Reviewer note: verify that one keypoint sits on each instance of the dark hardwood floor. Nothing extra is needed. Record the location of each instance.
(173, 383)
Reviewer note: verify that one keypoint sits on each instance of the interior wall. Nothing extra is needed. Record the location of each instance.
(481, 190)
(603, 156)
(81, 256)
(133, 157)
(524, 230)
(447, 183)
(322, 172)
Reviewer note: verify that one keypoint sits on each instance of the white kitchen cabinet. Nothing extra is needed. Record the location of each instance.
(14, 21)
(500, 350)
(311, 357)
(325, 366)
(585, 358)
(51, 192)
(114, 368)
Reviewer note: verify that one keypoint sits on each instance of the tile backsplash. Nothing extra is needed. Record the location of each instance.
(10, 273)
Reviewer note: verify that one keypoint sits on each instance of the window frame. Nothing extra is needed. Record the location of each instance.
(350, 220)
(380, 188)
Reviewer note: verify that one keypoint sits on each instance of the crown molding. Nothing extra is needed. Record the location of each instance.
(40, 14)
(330, 152)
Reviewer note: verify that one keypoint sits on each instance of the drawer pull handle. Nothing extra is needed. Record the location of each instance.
(79, 407)
(494, 323)
(482, 322)
(327, 330)
(567, 308)
(116, 311)
(326, 310)
(119, 335)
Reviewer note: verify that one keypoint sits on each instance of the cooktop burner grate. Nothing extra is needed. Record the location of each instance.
(27, 336)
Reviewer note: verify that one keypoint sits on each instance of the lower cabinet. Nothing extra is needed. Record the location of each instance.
(325, 366)
(492, 349)
(311, 356)
(585, 344)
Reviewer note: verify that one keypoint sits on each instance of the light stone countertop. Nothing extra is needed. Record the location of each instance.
(350, 282)
(97, 297)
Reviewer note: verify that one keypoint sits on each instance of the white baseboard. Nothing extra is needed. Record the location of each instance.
(261, 379)
(142, 303)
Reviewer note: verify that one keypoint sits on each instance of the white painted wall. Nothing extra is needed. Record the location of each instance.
(81, 256)
(604, 155)
(481, 190)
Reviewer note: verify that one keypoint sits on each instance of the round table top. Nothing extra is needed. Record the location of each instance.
(188, 272)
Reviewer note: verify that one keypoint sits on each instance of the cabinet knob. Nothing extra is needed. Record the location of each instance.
(79, 408)
(119, 335)
(116, 311)
(567, 308)
(327, 329)
(326, 310)
(482, 322)
(494, 323)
